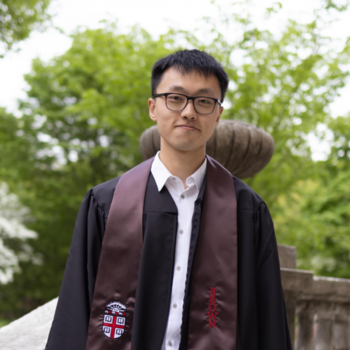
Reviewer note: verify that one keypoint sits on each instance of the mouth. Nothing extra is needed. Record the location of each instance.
(187, 127)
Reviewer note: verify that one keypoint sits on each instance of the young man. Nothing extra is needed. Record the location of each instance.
(176, 253)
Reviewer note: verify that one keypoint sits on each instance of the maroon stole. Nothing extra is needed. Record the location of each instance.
(213, 283)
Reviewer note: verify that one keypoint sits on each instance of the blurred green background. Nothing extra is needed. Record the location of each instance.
(85, 110)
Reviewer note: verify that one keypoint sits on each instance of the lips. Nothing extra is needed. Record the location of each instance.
(187, 127)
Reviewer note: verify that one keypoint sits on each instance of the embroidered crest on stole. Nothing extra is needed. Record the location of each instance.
(114, 320)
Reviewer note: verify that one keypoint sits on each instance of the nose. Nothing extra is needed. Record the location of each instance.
(189, 111)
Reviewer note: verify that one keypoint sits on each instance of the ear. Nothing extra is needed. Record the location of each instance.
(152, 109)
(219, 115)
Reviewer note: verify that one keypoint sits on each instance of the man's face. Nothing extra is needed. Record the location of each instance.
(185, 130)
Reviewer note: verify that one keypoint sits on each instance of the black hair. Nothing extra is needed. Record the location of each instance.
(186, 61)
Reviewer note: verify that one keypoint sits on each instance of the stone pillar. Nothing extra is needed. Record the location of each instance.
(341, 328)
(306, 313)
(324, 325)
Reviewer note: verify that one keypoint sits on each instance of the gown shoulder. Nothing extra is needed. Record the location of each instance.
(247, 198)
(103, 193)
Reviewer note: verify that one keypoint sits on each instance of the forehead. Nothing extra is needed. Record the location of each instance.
(190, 83)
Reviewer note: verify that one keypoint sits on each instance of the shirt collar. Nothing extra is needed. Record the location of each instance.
(161, 174)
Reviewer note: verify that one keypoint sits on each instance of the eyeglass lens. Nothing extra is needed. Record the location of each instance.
(202, 105)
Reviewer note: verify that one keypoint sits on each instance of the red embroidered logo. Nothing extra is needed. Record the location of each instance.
(114, 320)
(212, 308)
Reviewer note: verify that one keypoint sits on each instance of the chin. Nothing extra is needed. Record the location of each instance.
(187, 147)
(182, 145)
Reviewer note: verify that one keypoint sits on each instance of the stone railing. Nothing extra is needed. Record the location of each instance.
(29, 332)
(320, 305)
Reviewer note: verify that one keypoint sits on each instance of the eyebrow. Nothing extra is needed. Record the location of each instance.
(200, 91)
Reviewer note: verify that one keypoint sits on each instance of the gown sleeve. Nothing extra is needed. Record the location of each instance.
(71, 320)
(273, 332)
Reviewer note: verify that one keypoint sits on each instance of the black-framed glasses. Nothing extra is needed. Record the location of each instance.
(178, 102)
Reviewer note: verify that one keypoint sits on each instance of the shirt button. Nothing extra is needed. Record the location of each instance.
(178, 268)
(170, 343)
(174, 306)
(181, 232)
(182, 196)
(173, 178)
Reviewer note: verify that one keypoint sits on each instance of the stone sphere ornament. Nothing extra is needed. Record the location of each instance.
(243, 149)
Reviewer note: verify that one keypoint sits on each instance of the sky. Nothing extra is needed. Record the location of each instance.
(156, 16)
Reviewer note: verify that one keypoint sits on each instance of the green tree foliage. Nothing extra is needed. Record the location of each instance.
(339, 5)
(284, 85)
(94, 97)
(18, 18)
(319, 217)
(80, 127)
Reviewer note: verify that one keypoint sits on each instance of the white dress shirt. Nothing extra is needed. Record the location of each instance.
(184, 200)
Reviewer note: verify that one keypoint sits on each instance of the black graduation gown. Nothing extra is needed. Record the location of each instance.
(262, 321)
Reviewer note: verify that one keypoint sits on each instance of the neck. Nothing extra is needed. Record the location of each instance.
(181, 163)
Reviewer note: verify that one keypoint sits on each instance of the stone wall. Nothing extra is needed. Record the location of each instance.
(320, 305)
(30, 331)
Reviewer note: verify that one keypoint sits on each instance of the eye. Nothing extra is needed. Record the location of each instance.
(176, 98)
(205, 101)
